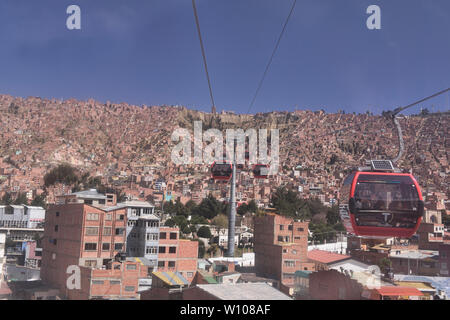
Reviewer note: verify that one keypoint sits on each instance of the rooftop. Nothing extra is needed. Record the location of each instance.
(398, 291)
(89, 194)
(326, 256)
(244, 291)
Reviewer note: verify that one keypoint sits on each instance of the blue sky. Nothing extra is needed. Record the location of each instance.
(147, 52)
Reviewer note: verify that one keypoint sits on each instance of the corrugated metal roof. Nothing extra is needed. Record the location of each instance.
(171, 278)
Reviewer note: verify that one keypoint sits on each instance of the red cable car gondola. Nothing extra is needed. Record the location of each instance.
(379, 203)
(260, 171)
(221, 171)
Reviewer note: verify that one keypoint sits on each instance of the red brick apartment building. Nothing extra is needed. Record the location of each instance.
(86, 236)
(177, 254)
(281, 247)
(91, 236)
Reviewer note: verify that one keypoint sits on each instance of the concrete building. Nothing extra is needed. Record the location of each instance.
(21, 216)
(431, 230)
(281, 246)
(237, 291)
(142, 231)
(2, 253)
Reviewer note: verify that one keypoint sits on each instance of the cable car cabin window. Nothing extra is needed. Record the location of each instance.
(386, 201)
(221, 170)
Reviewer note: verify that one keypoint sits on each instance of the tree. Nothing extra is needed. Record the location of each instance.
(180, 209)
(39, 201)
(21, 199)
(190, 206)
(204, 232)
(64, 173)
(220, 221)
(6, 199)
(208, 208)
(195, 219)
(286, 202)
(385, 265)
(201, 249)
(247, 207)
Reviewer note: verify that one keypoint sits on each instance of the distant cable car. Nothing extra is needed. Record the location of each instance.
(221, 171)
(260, 171)
(380, 202)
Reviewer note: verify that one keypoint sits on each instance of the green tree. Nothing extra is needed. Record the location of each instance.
(201, 249)
(39, 201)
(7, 199)
(21, 199)
(190, 206)
(204, 232)
(64, 173)
(195, 219)
(220, 221)
(208, 208)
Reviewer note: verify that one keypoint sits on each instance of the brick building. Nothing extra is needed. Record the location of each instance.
(82, 235)
(177, 254)
(91, 230)
(281, 247)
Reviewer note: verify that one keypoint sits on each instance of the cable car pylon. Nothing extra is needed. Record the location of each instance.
(232, 213)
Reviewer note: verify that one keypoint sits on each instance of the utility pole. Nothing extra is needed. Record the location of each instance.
(232, 213)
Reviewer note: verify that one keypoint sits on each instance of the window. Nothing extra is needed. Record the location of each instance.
(281, 227)
(91, 231)
(152, 236)
(105, 246)
(289, 263)
(129, 288)
(90, 246)
(107, 231)
(189, 274)
(57, 213)
(114, 282)
(118, 246)
(171, 264)
(56, 228)
(101, 201)
(161, 264)
(162, 235)
(172, 249)
(97, 281)
(173, 235)
(120, 231)
(90, 263)
(131, 267)
(55, 241)
(120, 217)
(88, 201)
(280, 238)
(108, 217)
(151, 250)
(290, 227)
(162, 249)
(92, 216)
(300, 229)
